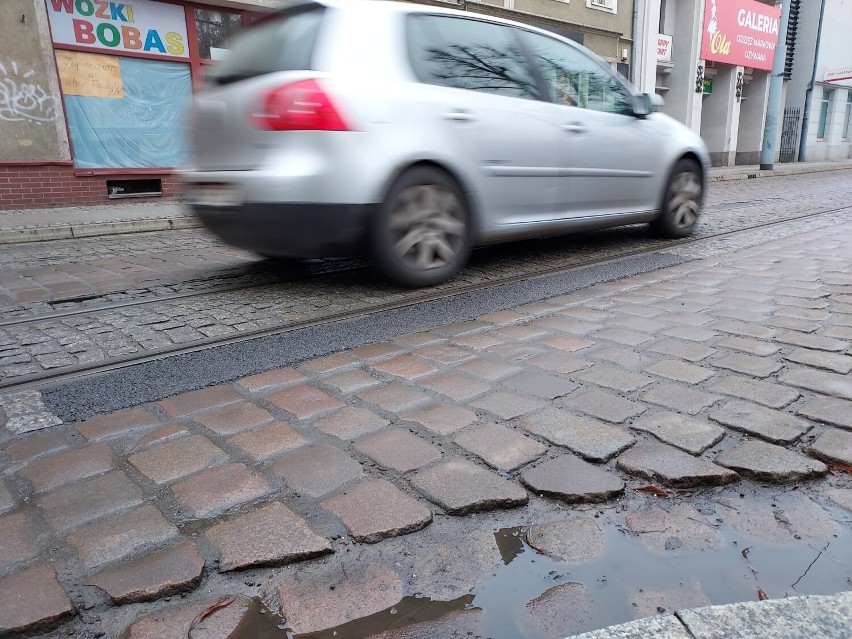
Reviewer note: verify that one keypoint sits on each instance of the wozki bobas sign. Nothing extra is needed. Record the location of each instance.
(742, 32)
(135, 26)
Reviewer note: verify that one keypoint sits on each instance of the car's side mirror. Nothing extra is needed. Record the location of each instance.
(652, 102)
(646, 103)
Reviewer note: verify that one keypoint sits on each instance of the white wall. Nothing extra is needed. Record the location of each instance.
(682, 102)
(753, 118)
(835, 49)
(832, 147)
(645, 47)
(720, 116)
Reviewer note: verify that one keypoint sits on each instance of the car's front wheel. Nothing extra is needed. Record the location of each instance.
(421, 234)
(681, 202)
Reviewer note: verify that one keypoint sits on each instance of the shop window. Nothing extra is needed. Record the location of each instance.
(214, 28)
(135, 118)
(824, 110)
(604, 5)
(847, 120)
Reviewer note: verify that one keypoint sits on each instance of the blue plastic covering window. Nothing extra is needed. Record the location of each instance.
(144, 129)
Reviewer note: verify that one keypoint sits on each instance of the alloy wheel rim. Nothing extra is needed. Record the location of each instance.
(685, 200)
(427, 226)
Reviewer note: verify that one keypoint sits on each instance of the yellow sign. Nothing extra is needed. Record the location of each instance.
(89, 74)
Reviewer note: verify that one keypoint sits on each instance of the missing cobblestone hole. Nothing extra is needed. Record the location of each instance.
(121, 189)
(74, 300)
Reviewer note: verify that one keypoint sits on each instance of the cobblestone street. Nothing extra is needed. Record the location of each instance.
(695, 412)
(93, 301)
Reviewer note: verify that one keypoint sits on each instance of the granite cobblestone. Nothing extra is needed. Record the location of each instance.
(285, 465)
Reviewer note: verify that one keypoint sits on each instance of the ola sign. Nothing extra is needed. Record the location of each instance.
(742, 32)
(135, 26)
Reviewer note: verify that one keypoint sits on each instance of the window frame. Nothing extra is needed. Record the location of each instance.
(823, 128)
(613, 9)
(244, 22)
(196, 62)
(847, 119)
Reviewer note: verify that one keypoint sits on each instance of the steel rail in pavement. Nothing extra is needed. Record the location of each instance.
(40, 379)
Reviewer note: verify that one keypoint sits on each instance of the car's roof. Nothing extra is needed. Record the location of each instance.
(389, 6)
(395, 6)
(362, 7)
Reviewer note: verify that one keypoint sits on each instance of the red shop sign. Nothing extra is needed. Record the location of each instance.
(743, 32)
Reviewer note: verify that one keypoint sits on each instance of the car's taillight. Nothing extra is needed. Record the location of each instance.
(301, 106)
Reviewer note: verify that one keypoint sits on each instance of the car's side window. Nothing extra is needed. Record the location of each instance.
(575, 79)
(469, 54)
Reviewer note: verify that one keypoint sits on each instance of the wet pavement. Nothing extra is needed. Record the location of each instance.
(668, 440)
(97, 301)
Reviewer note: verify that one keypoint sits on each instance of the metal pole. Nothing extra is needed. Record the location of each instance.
(773, 107)
(807, 112)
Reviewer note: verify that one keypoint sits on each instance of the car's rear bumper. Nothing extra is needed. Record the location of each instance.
(301, 230)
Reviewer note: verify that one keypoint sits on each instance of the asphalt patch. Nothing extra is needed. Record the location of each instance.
(84, 397)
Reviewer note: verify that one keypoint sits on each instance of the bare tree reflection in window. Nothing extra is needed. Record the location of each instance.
(482, 68)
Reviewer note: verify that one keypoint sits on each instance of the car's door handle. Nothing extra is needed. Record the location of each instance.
(459, 115)
(574, 127)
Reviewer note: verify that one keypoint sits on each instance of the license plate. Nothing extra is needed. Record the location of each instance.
(216, 195)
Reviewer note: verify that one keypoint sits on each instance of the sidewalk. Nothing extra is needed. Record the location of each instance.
(694, 412)
(816, 617)
(36, 225)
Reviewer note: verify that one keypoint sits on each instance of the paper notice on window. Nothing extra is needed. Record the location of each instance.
(90, 74)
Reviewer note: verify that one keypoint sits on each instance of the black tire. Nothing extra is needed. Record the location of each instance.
(682, 200)
(431, 241)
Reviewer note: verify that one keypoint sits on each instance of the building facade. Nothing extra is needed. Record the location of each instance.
(820, 86)
(93, 92)
(604, 26)
(711, 61)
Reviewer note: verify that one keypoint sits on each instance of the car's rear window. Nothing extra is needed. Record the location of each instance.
(283, 42)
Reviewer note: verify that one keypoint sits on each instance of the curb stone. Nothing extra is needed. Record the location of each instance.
(22, 234)
(808, 617)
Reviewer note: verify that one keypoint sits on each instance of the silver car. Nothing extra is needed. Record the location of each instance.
(415, 133)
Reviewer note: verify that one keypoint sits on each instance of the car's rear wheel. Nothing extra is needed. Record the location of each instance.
(681, 202)
(421, 234)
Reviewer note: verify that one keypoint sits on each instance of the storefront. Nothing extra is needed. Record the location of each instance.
(738, 43)
(126, 71)
(711, 62)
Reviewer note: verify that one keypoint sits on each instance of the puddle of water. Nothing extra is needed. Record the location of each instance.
(611, 584)
(628, 567)
(259, 623)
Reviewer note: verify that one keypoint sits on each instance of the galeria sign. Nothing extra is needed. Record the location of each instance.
(136, 26)
(740, 32)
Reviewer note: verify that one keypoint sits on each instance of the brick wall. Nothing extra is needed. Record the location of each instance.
(45, 186)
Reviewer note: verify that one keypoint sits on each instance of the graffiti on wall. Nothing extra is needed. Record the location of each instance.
(22, 100)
